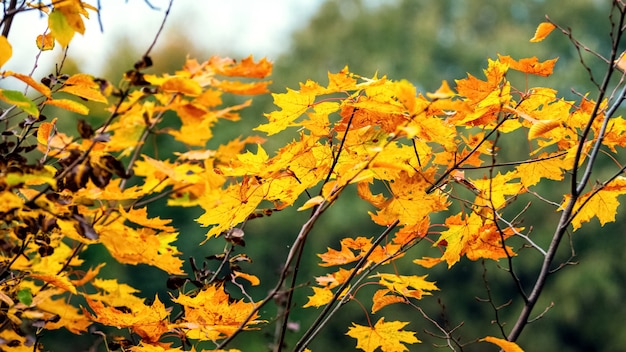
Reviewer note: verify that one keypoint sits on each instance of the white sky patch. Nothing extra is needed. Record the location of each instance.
(222, 27)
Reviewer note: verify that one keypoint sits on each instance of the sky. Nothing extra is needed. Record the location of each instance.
(258, 27)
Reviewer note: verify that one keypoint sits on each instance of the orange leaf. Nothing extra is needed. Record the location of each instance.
(388, 336)
(41, 88)
(381, 299)
(246, 68)
(506, 346)
(543, 30)
(45, 131)
(530, 65)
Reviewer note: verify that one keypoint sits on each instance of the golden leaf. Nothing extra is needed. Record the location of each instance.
(388, 336)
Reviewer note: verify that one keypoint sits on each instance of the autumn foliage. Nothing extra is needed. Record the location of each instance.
(414, 157)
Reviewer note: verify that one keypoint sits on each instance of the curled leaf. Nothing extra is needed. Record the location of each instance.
(506, 346)
(542, 127)
(543, 30)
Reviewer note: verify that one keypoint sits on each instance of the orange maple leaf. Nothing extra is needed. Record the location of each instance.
(388, 336)
(530, 65)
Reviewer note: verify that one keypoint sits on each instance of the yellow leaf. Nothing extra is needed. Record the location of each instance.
(388, 336)
(69, 105)
(141, 246)
(407, 286)
(45, 42)
(60, 28)
(6, 50)
(444, 92)
(315, 201)
(84, 86)
(543, 30)
(506, 346)
(211, 314)
(181, 85)
(601, 204)
(149, 322)
(321, 297)
(140, 217)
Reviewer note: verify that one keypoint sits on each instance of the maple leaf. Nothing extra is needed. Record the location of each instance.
(388, 336)
(149, 322)
(550, 166)
(143, 245)
(140, 217)
(474, 236)
(494, 190)
(601, 203)
(211, 315)
(321, 297)
(407, 286)
(530, 65)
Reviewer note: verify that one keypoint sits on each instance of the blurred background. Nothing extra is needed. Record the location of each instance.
(425, 42)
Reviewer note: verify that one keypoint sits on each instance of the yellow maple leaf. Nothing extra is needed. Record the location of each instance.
(408, 286)
(149, 322)
(140, 217)
(141, 246)
(211, 315)
(388, 336)
(550, 166)
(472, 236)
(321, 297)
(601, 204)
